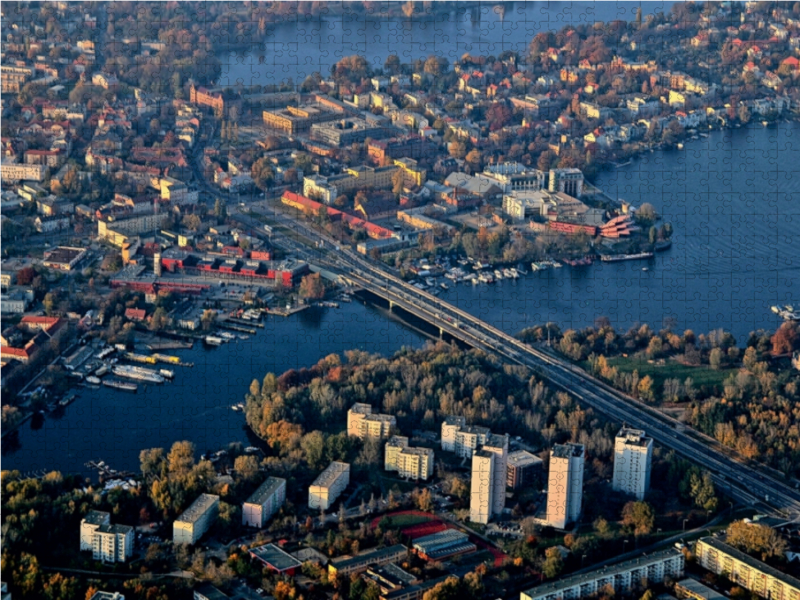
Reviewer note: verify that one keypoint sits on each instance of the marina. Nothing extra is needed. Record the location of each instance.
(137, 373)
(621, 257)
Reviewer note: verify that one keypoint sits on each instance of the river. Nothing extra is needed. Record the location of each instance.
(304, 45)
(732, 198)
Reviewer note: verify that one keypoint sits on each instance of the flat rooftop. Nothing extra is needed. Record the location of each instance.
(697, 590)
(609, 571)
(634, 437)
(265, 490)
(368, 557)
(63, 254)
(331, 474)
(523, 458)
(567, 450)
(198, 508)
(96, 517)
(275, 558)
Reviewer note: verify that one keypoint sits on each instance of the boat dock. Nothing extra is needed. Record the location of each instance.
(106, 471)
(241, 322)
(233, 327)
(283, 312)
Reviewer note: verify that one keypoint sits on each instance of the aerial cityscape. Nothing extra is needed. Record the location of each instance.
(400, 300)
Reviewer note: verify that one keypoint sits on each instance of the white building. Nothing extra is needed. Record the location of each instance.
(569, 181)
(622, 577)
(89, 524)
(450, 427)
(633, 455)
(411, 463)
(112, 543)
(745, 571)
(195, 521)
(565, 484)
(513, 176)
(469, 438)
(327, 487)
(363, 424)
(488, 485)
(264, 502)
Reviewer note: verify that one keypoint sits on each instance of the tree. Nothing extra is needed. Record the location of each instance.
(150, 461)
(312, 287)
(646, 212)
(553, 563)
(436, 65)
(208, 319)
(639, 516)
(191, 222)
(715, 358)
(701, 490)
(262, 173)
(424, 500)
(756, 539)
(180, 459)
(246, 466)
(392, 64)
(220, 209)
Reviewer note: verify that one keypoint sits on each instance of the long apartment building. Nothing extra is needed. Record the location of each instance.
(745, 571)
(620, 578)
(565, 484)
(633, 455)
(294, 119)
(488, 483)
(364, 424)
(409, 462)
(195, 520)
(327, 487)
(348, 565)
(264, 502)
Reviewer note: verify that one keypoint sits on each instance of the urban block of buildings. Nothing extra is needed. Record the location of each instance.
(488, 484)
(565, 484)
(364, 424)
(633, 455)
(409, 462)
(195, 520)
(327, 487)
(620, 578)
(264, 502)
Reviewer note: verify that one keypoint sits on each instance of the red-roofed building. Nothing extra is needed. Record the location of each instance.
(135, 314)
(39, 331)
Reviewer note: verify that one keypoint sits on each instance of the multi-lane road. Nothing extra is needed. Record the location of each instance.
(748, 483)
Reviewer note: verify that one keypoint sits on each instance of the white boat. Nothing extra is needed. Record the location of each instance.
(227, 336)
(444, 286)
(213, 340)
(775, 309)
(498, 274)
(138, 373)
(93, 380)
(167, 373)
(680, 146)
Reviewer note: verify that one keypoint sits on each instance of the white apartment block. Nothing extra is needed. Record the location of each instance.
(450, 427)
(327, 487)
(411, 463)
(488, 484)
(392, 450)
(195, 521)
(112, 543)
(468, 439)
(745, 571)
(363, 424)
(620, 578)
(633, 455)
(565, 484)
(264, 502)
(480, 497)
(89, 524)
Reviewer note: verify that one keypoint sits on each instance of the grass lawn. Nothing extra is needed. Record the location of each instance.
(701, 376)
(406, 520)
